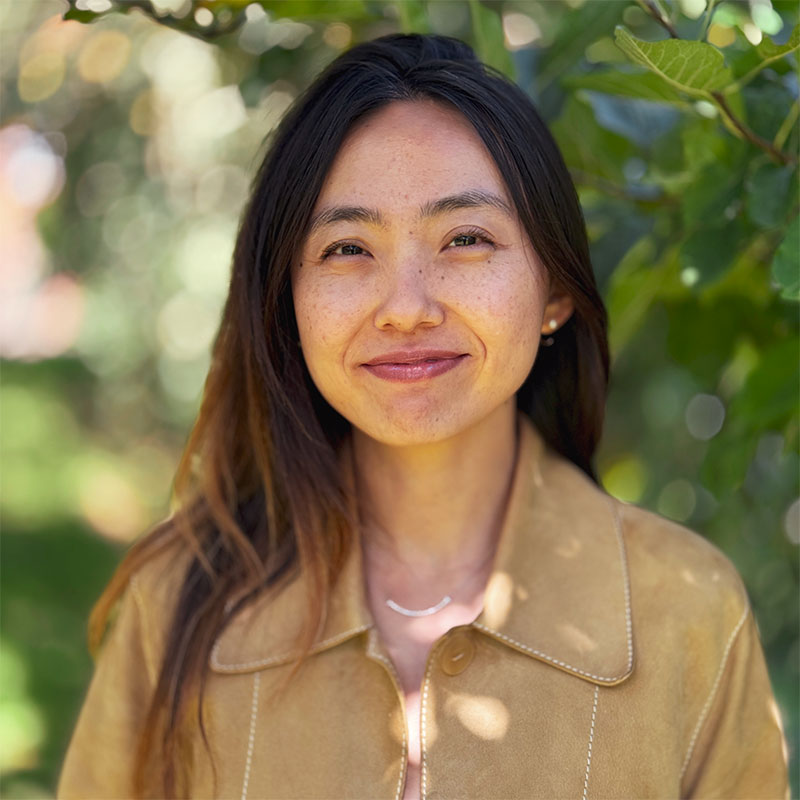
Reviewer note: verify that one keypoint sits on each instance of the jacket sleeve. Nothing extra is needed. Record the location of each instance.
(737, 749)
(100, 757)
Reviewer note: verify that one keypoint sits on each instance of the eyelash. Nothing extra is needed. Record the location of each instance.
(478, 233)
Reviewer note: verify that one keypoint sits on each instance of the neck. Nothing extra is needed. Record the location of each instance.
(432, 513)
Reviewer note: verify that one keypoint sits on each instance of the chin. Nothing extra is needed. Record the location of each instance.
(412, 427)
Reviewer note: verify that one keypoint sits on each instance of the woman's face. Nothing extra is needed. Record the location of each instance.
(418, 297)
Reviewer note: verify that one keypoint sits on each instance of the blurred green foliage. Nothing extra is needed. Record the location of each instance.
(126, 148)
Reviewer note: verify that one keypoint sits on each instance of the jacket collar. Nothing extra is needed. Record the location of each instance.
(558, 592)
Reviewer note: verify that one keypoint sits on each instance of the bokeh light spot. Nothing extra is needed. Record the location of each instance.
(22, 729)
(692, 8)
(186, 326)
(203, 17)
(337, 35)
(704, 416)
(720, 35)
(520, 30)
(143, 116)
(104, 57)
(33, 173)
(40, 77)
(626, 479)
(110, 503)
(677, 500)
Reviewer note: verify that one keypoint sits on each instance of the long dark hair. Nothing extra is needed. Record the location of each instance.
(260, 495)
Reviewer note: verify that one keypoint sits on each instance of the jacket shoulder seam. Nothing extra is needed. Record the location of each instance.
(714, 688)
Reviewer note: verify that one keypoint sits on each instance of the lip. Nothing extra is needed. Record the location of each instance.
(411, 356)
(406, 366)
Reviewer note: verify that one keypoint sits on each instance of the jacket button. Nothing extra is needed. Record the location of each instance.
(457, 653)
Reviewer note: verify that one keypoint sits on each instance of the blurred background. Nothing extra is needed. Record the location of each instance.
(129, 134)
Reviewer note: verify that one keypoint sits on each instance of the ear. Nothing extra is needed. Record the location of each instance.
(558, 310)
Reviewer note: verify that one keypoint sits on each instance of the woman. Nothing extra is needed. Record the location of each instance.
(393, 574)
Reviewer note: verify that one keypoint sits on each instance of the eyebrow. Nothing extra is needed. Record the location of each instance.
(474, 198)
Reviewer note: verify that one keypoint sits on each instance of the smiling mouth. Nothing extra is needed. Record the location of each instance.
(407, 369)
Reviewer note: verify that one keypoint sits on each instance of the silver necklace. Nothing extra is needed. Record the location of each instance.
(422, 612)
(426, 612)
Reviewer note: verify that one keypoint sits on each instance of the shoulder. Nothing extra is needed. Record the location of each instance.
(153, 589)
(156, 583)
(680, 580)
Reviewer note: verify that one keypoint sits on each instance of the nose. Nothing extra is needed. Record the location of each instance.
(407, 303)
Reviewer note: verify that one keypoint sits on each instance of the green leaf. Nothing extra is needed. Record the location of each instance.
(748, 64)
(634, 286)
(587, 147)
(726, 462)
(641, 85)
(696, 68)
(487, 29)
(711, 250)
(786, 262)
(769, 397)
(768, 194)
(80, 16)
(701, 143)
(769, 51)
(577, 29)
(717, 323)
(715, 187)
(766, 105)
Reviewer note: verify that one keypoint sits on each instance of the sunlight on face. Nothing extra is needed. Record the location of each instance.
(418, 296)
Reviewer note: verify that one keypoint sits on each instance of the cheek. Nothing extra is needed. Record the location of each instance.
(328, 313)
(509, 303)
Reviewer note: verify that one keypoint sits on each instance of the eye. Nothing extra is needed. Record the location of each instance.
(346, 248)
(470, 238)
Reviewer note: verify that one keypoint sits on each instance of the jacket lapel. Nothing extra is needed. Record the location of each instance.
(558, 591)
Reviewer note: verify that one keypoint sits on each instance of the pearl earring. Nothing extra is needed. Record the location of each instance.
(547, 341)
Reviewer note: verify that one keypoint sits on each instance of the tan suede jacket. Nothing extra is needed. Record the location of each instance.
(616, 657)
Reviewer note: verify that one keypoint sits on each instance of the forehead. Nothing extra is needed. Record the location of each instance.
(410, 153)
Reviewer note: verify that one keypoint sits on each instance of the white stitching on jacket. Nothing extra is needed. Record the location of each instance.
(547, 658)
(591, 742)
(265, 662)
(423, 730)
(251, 739)
(628, 620)
(626, 581)
(375, 654)
(713, 692)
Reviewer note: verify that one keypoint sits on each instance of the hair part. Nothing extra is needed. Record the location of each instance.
(259, 494)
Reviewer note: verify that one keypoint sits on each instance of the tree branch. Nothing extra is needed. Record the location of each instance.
(707, 19)
(650, 7)
(183, 24)
(786, 126)
(751, 136)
